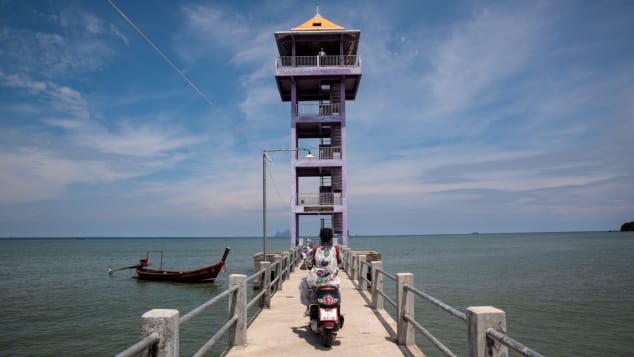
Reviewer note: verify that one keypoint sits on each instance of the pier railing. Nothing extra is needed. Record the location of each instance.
(486, 325)
(160, 327)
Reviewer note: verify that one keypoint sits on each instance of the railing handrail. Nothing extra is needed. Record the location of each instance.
(145, 343)
(444, 349)
(202, 308)
(511, 343)
(451, 310)
(212, 341)
(386, 274)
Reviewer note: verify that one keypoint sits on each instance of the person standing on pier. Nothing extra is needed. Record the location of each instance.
(323, 265)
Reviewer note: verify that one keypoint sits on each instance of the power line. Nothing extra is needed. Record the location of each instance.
(178, 71)
(268, 168)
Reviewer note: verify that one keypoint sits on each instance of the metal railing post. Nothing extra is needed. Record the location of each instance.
(479, 319)
(377, 285)
(264, 284)
(238, 308)
(362, 273)
(165, 323)
(405, 299)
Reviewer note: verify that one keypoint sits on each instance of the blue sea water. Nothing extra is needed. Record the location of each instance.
(564, 294)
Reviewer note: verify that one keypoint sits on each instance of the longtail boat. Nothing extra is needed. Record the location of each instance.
(206, 274)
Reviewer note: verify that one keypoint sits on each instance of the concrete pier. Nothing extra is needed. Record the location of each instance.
(283, 329)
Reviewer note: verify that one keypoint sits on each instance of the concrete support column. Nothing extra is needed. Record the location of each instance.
(165, 323)
(285, 264)
(346, 256)
(479, 319)
(278, 274)
(351, 264)
(377, 285)
(291, 260)
(264, 284)
(353, 267)
(238, 308)
(363, 273)
(405, 299)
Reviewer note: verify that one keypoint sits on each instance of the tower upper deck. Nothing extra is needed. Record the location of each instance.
(314, 52)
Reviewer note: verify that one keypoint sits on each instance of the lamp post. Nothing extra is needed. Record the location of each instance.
(308, 156)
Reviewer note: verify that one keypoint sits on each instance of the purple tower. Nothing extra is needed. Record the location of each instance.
(317, 70)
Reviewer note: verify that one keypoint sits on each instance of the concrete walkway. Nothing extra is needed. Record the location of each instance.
(283, 329)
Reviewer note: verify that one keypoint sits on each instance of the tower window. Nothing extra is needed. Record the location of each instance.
(316, 23)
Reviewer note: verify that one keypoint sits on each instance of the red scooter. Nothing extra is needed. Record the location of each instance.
(325, 313)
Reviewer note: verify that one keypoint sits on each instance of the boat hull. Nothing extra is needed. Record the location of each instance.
(205, 274)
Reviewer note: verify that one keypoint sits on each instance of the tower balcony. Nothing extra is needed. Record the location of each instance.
(347, 65)
(325, 152)
(319, 61)
(319, 199)
(318, 109)
(306, 73)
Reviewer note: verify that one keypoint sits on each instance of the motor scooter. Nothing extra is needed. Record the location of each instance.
(325, 313)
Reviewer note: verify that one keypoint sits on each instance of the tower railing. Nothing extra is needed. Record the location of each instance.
(318, 109)
(319, 61)
(319, 199)
(329, 152)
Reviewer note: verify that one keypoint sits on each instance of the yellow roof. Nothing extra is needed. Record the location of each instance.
(317, 23)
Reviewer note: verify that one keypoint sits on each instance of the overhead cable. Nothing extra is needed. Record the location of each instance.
(178, 71)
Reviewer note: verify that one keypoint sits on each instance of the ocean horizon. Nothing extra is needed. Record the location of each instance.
(288, 237)
(564, 293)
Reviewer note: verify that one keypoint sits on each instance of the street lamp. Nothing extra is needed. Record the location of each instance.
(308, 156)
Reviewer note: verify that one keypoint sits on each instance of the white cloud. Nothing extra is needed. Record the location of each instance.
(40, 165)
(215, 193)
(143, 141)
(480, 54)
(21, 82)
(30, 175)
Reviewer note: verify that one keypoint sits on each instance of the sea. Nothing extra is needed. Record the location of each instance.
(564, 294)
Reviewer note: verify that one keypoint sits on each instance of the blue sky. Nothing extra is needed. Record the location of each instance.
(510, 116)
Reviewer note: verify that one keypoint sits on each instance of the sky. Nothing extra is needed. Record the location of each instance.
(471, 116)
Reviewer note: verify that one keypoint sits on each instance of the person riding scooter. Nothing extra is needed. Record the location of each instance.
(323, 264)
(324, 301)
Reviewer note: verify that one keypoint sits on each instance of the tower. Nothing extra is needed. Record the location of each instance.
(317, 71)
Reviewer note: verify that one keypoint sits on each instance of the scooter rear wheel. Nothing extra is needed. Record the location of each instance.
(327, 338)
